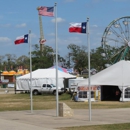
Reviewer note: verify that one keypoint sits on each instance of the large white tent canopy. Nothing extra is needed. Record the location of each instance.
(41, 76)
(46, 73)
(117, 74)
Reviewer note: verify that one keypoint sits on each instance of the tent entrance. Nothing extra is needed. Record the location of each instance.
(109, 93)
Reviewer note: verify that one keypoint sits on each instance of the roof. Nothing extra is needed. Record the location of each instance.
(59, 68)
(117, 74)
(46, 73)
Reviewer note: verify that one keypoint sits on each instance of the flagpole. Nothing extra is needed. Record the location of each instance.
(89, 82)
(56, 46)
(30, 73)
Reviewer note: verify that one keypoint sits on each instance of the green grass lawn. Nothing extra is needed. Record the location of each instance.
(21, 101)
(125, 126)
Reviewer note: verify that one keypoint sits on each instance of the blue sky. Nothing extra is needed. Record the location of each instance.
(17, 17)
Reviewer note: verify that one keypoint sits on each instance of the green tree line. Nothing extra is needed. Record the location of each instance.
(76, 58)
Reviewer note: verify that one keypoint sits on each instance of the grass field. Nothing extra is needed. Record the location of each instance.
(101, 127)
(11, 102)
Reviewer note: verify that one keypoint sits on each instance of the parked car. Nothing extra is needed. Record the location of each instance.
(93, 71)
(46, 88)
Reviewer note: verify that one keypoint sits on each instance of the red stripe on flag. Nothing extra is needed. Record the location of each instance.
(19, 41)
(75, 29)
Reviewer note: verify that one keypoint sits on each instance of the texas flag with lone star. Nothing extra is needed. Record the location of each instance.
(78, 27)
(21, 39)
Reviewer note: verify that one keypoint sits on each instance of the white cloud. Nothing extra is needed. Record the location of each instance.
(5, 25)
(73, 40)
(96, 1)
(21, 25)
(99, 33)
(69, 0)
(11, 12)
(52, 34)
(95, 25)
(120, 0)
(33, 35)
(5, 39)
(1, 17)
(59, 20)
(67, 41)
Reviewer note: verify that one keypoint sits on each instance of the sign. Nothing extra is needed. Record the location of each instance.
(10, 85)
(85, 88)
(5, 81)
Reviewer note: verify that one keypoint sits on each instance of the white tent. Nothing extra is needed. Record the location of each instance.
(41, 76)
(115, 75)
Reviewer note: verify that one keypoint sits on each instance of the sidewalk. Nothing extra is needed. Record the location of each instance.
(47, 120)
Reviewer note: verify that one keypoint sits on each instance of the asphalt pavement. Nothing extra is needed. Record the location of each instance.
(47, 119)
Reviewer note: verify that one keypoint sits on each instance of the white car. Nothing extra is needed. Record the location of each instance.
(46, 88)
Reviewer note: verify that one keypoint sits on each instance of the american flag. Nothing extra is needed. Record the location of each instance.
(46, 11)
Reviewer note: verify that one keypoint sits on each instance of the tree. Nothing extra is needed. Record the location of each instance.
(10, 60)
(1, 62)
(79, 56)
(23, 61)
(97, 60)
(43, 59)
(114, 54)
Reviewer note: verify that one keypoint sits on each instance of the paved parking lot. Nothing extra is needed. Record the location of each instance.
(47, 119)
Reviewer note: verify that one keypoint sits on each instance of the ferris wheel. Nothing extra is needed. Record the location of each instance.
(116, 40)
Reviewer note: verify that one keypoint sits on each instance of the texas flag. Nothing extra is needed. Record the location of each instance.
(21, 39)
(78, 27)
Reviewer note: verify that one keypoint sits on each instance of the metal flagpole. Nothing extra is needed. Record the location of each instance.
(89, 83)
(56, 46)
(30, 72)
